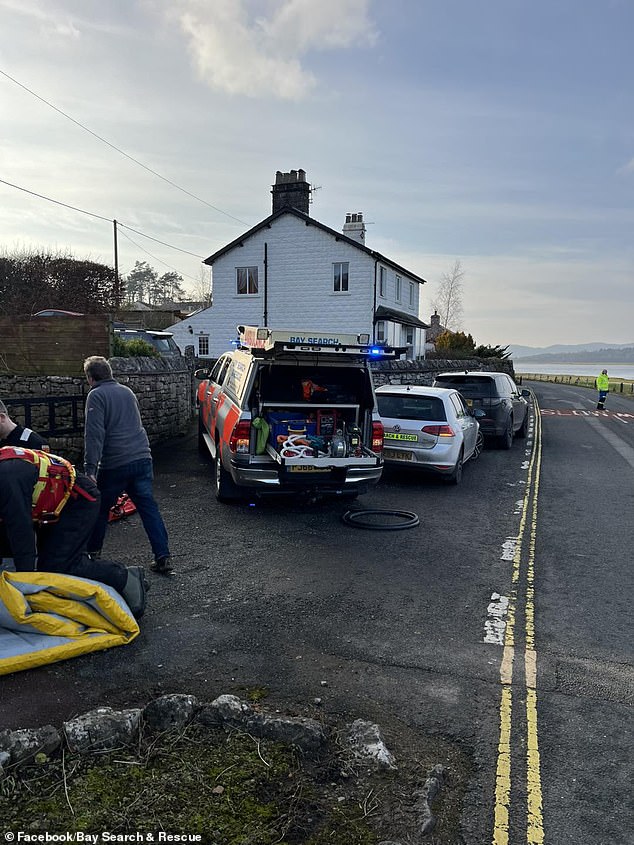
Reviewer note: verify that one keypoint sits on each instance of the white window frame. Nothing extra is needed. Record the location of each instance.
(398, 287)
(382, 281)
(203, 340)
(339, 279)
(380, 331)
(409, 333)
(252, 276)
(412, 298)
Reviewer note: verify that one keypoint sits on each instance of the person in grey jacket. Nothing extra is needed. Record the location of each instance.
(117, 455)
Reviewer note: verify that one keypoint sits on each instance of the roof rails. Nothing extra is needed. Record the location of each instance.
(289, 340)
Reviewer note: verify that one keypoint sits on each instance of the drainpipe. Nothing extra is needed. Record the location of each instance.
(266, 284)
(376, 261)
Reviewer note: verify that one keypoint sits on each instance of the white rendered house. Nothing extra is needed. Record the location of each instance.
(292, 272)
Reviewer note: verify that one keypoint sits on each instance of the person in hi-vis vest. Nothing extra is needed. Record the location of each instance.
(603, 385)
(48, 511)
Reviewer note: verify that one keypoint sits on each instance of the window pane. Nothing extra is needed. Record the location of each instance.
(472, 387)
(398, 288)
(411, 407)
(246, 280)
(340, 276)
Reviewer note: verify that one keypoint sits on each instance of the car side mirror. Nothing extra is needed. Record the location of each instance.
(526, 393)
(202, 373)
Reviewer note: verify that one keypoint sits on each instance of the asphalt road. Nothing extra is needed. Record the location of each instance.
(502, 623)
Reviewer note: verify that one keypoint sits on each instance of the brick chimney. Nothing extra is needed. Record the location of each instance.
(354, 227)
(434, 326)
(291, 189)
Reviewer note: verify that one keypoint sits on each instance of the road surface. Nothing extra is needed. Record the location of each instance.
(501, 624)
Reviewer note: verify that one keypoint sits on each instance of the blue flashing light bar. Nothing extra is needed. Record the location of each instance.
(376, 350)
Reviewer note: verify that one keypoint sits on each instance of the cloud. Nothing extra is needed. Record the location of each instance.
(239, 52)
(48, 19)
(627, 168)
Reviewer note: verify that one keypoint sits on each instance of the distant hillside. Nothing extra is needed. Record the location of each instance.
(613, 355)
(566, 350)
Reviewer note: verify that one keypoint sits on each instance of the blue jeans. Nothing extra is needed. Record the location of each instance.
(135, 479)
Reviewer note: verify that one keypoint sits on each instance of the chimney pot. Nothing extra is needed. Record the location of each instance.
(291, 190)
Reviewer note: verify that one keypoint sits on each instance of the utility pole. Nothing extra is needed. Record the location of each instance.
(117, 286)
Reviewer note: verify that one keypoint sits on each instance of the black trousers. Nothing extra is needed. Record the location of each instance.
(62, 545)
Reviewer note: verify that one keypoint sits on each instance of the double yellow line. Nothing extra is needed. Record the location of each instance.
(522, 589)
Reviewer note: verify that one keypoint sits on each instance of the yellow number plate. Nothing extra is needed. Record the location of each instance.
(390, 435)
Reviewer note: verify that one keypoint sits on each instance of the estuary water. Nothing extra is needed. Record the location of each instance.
(618, 371)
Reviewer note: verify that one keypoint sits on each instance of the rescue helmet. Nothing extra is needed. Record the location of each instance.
(604, 372)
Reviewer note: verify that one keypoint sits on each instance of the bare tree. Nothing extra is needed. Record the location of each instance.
(448, 300)
(201, 289)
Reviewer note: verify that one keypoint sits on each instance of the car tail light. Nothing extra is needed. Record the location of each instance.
(439, 430)
(377, 436)
(239, 440)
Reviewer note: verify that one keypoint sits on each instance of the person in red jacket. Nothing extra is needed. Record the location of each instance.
(48, 512)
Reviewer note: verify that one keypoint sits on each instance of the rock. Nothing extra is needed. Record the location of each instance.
(103, 729)
(425, 795)
(5, 759)
(225, 708)
(306, 734)
(170, 711)
(23, 745)
(366, 741)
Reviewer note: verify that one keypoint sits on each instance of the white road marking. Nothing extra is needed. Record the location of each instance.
(625, 450)
(508, 548)
(495, 624)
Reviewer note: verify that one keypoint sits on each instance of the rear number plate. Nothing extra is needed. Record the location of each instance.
(395, 455)
(307, 468)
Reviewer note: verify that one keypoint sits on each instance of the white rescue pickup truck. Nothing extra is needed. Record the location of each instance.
(292, 411)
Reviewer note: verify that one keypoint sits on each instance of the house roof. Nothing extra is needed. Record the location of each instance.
(383, 313)
(310, 221)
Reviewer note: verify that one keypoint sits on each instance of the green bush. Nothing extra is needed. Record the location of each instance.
(133, 349)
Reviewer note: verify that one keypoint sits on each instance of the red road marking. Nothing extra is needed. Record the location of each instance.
(576, 412)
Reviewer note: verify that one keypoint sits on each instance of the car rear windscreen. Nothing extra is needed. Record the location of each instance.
(411, 407)
(472, 387)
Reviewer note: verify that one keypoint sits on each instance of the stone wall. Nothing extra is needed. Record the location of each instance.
(163, 386)
(423, 372)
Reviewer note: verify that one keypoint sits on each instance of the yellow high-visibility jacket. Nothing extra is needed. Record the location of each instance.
(603, 382)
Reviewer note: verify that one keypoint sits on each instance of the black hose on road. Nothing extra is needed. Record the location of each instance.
(364, 519)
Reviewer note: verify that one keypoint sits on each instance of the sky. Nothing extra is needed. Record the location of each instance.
(497, 134)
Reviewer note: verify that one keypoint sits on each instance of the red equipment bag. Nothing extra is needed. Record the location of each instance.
(122, 507)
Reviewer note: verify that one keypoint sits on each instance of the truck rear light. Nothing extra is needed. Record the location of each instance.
(439, 430)
(377, 436)
(240, 436)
